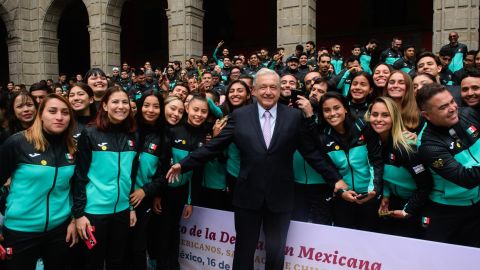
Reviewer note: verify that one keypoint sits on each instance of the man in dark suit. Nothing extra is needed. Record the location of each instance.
(267, 135)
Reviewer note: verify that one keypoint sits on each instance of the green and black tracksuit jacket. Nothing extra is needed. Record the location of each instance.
(39, 198)
(103, 176)
(390, 56)
(184, 139)
(459, 52)
(154, 157)
(357, 156)
(405, 176)
(453, 156)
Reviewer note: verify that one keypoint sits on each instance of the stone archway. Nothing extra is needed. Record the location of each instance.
(245, 26)
(48, 41)
(144, 34)
(4, 64)
(74, 40)
(10, 65)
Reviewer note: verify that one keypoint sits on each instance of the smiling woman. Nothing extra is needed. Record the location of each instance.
(21, 111)
(37, 217)
(102, 181)
(347, 142)
(80, 96)
(154, 154)
(97, 80)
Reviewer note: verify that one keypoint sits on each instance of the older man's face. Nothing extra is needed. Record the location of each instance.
(267, 90)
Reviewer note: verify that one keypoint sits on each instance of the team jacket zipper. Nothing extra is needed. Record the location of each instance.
(48, 195)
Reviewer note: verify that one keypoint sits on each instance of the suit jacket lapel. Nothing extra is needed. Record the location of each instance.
(256, 124)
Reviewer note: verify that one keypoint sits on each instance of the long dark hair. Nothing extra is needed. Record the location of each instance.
(369, 78)
(377, 91)
(102, 121)
(94, 72)
(227, 106)
(85, 87)
(143, 127)
(14, 124)
(141, 101)
(348, 123)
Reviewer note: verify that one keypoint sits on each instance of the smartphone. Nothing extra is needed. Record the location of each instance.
(294, 96)
(90, 241)
(3, 253)
(361, 196)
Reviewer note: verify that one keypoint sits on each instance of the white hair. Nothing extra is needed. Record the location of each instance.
(264, 72)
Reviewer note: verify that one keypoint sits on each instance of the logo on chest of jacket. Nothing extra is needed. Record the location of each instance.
(103, 146)
(34, 155)
(472, 131)
(152, 147)
(131, 144)
(330, 144)
(361, 140)
(69, 158)
(182, 141)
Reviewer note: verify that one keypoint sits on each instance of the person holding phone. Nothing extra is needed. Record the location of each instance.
(288, 86)
(312, 193)
(154, 155)
(407, 182)
(347, 142)
(103, 181)
(40, 162)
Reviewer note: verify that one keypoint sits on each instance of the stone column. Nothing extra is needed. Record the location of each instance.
(104, 46)
(461, 16)
(185, 29)
(104, 29)
(15, 59)
(296, 23)
(48, 58)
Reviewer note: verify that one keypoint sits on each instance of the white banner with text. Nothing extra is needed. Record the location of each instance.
(207, 241)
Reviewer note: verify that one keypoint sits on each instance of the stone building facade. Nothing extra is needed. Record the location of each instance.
(33, 44)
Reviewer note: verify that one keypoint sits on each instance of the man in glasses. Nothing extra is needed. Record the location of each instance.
(458, 50)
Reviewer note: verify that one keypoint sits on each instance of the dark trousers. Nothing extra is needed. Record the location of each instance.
(136, 257)
(111, 233)
(173, 203)
(313, 203)
(231, 182)
(409, 227)
(214, 198)
(356, 216)
(452, 224)
(29, 247)
(247, 227)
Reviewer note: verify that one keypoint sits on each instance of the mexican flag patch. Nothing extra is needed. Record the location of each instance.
(471, 130)
(69, 157)
(152, 147)
(131, 143)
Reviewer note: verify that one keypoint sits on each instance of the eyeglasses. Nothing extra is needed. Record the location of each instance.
(314, 79)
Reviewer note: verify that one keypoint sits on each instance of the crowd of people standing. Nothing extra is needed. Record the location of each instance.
(386, 145)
